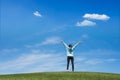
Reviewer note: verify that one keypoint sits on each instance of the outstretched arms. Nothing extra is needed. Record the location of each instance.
(73, 46)
(64, 44)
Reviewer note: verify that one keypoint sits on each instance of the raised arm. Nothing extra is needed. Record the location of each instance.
(76, 44)
(64, 44)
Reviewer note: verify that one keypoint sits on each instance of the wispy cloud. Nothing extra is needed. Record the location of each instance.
(84, 36)
(96, 16)
(36, 13)
(48, 41)
(38, 60)
(80, 59)
(99, 61)
(8, 51)
(93, 61)
(111, 60)
(85, 23)
(51, 40)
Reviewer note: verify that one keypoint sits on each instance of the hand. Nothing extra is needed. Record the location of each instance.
(79, 42)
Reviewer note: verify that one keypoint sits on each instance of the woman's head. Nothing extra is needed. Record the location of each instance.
(70, 46)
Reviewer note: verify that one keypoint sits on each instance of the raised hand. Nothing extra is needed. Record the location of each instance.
(79, 42)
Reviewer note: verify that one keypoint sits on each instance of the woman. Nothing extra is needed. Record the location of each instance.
(70, 54)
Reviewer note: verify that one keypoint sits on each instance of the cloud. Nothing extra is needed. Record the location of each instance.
(111, 60)
(51, 40)
(7, 51)
(48, 41)
(79, 59)
(96, 16)
(35, 60)
(33, 46)
(84, 36)
(94, 61)
(99, 61)
(93, 17)
(36, 13)
(85, 23)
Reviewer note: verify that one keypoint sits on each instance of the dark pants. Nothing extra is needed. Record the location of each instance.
(72, 61)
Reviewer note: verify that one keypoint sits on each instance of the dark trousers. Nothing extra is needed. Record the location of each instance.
(72, 61)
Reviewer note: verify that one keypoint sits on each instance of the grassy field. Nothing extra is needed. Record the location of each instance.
(62, 76)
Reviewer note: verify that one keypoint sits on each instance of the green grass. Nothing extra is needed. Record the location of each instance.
(62, 76)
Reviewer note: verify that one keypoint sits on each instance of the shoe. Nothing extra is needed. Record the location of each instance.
(67, 70)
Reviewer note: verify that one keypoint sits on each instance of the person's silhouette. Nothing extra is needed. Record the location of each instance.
(70, 54)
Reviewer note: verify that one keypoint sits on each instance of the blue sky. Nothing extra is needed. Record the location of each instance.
(31, 31)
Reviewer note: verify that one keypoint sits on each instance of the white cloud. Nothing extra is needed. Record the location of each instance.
(96, 16)
(34, 61)
(99, 61)
(33, 46)
(36, 13)
(47, 41)
(7, 51)
(84, 36)
(22, 61)
(79, 59)
(111, 60)
(51, 40)
(94, 61)
(85, 23)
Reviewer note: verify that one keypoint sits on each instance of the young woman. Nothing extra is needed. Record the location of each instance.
(70, 54)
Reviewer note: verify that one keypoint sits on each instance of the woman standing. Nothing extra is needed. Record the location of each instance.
(70, 54)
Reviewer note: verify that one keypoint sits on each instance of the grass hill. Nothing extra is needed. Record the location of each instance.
(62, 76)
